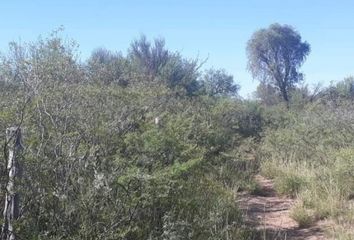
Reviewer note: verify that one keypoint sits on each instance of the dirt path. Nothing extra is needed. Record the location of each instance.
(269, 214)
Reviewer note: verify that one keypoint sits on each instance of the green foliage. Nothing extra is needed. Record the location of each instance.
(96, 163)
(219, 83)
(152, 63)
(146, 146)
(301, 215)
(267, 94)
(310, 157)
(289, 184)
(106, 67)
(341, 91)
(150, 58)
(275, 54)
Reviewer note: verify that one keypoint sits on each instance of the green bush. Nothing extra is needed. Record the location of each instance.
(301, 215)
(98, 165)
(289, 184)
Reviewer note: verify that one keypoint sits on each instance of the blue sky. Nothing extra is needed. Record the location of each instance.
(216, 29)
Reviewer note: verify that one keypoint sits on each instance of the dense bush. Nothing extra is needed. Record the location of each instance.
(124, 147)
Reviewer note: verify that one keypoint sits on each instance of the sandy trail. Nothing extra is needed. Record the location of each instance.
(269, 214)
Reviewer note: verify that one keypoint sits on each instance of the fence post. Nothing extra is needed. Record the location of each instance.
(13, 148)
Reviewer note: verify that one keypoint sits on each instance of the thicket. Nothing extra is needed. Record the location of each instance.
(142, 146)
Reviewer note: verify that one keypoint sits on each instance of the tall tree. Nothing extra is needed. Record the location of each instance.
(275, 55)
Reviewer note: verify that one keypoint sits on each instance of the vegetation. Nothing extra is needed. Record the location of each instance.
(311, 158)
(275, 55)
(96, 165)
(149, 146)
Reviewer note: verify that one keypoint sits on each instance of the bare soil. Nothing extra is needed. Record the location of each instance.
(269, 214)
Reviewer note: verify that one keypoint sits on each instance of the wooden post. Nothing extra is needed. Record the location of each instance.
(11, 210)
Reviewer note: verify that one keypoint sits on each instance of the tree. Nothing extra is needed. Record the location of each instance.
(150, 58)
(275, 55)
(219, 83)
(156, 64)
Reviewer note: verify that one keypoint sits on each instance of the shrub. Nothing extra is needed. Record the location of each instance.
(301, 215)
(289, 184)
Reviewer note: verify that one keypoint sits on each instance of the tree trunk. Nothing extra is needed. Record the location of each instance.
(284, 93)
(11, 211)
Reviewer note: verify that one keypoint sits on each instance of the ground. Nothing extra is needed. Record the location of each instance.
(269, 214)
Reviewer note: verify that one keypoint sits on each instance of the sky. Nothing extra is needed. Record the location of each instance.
(215, 30)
